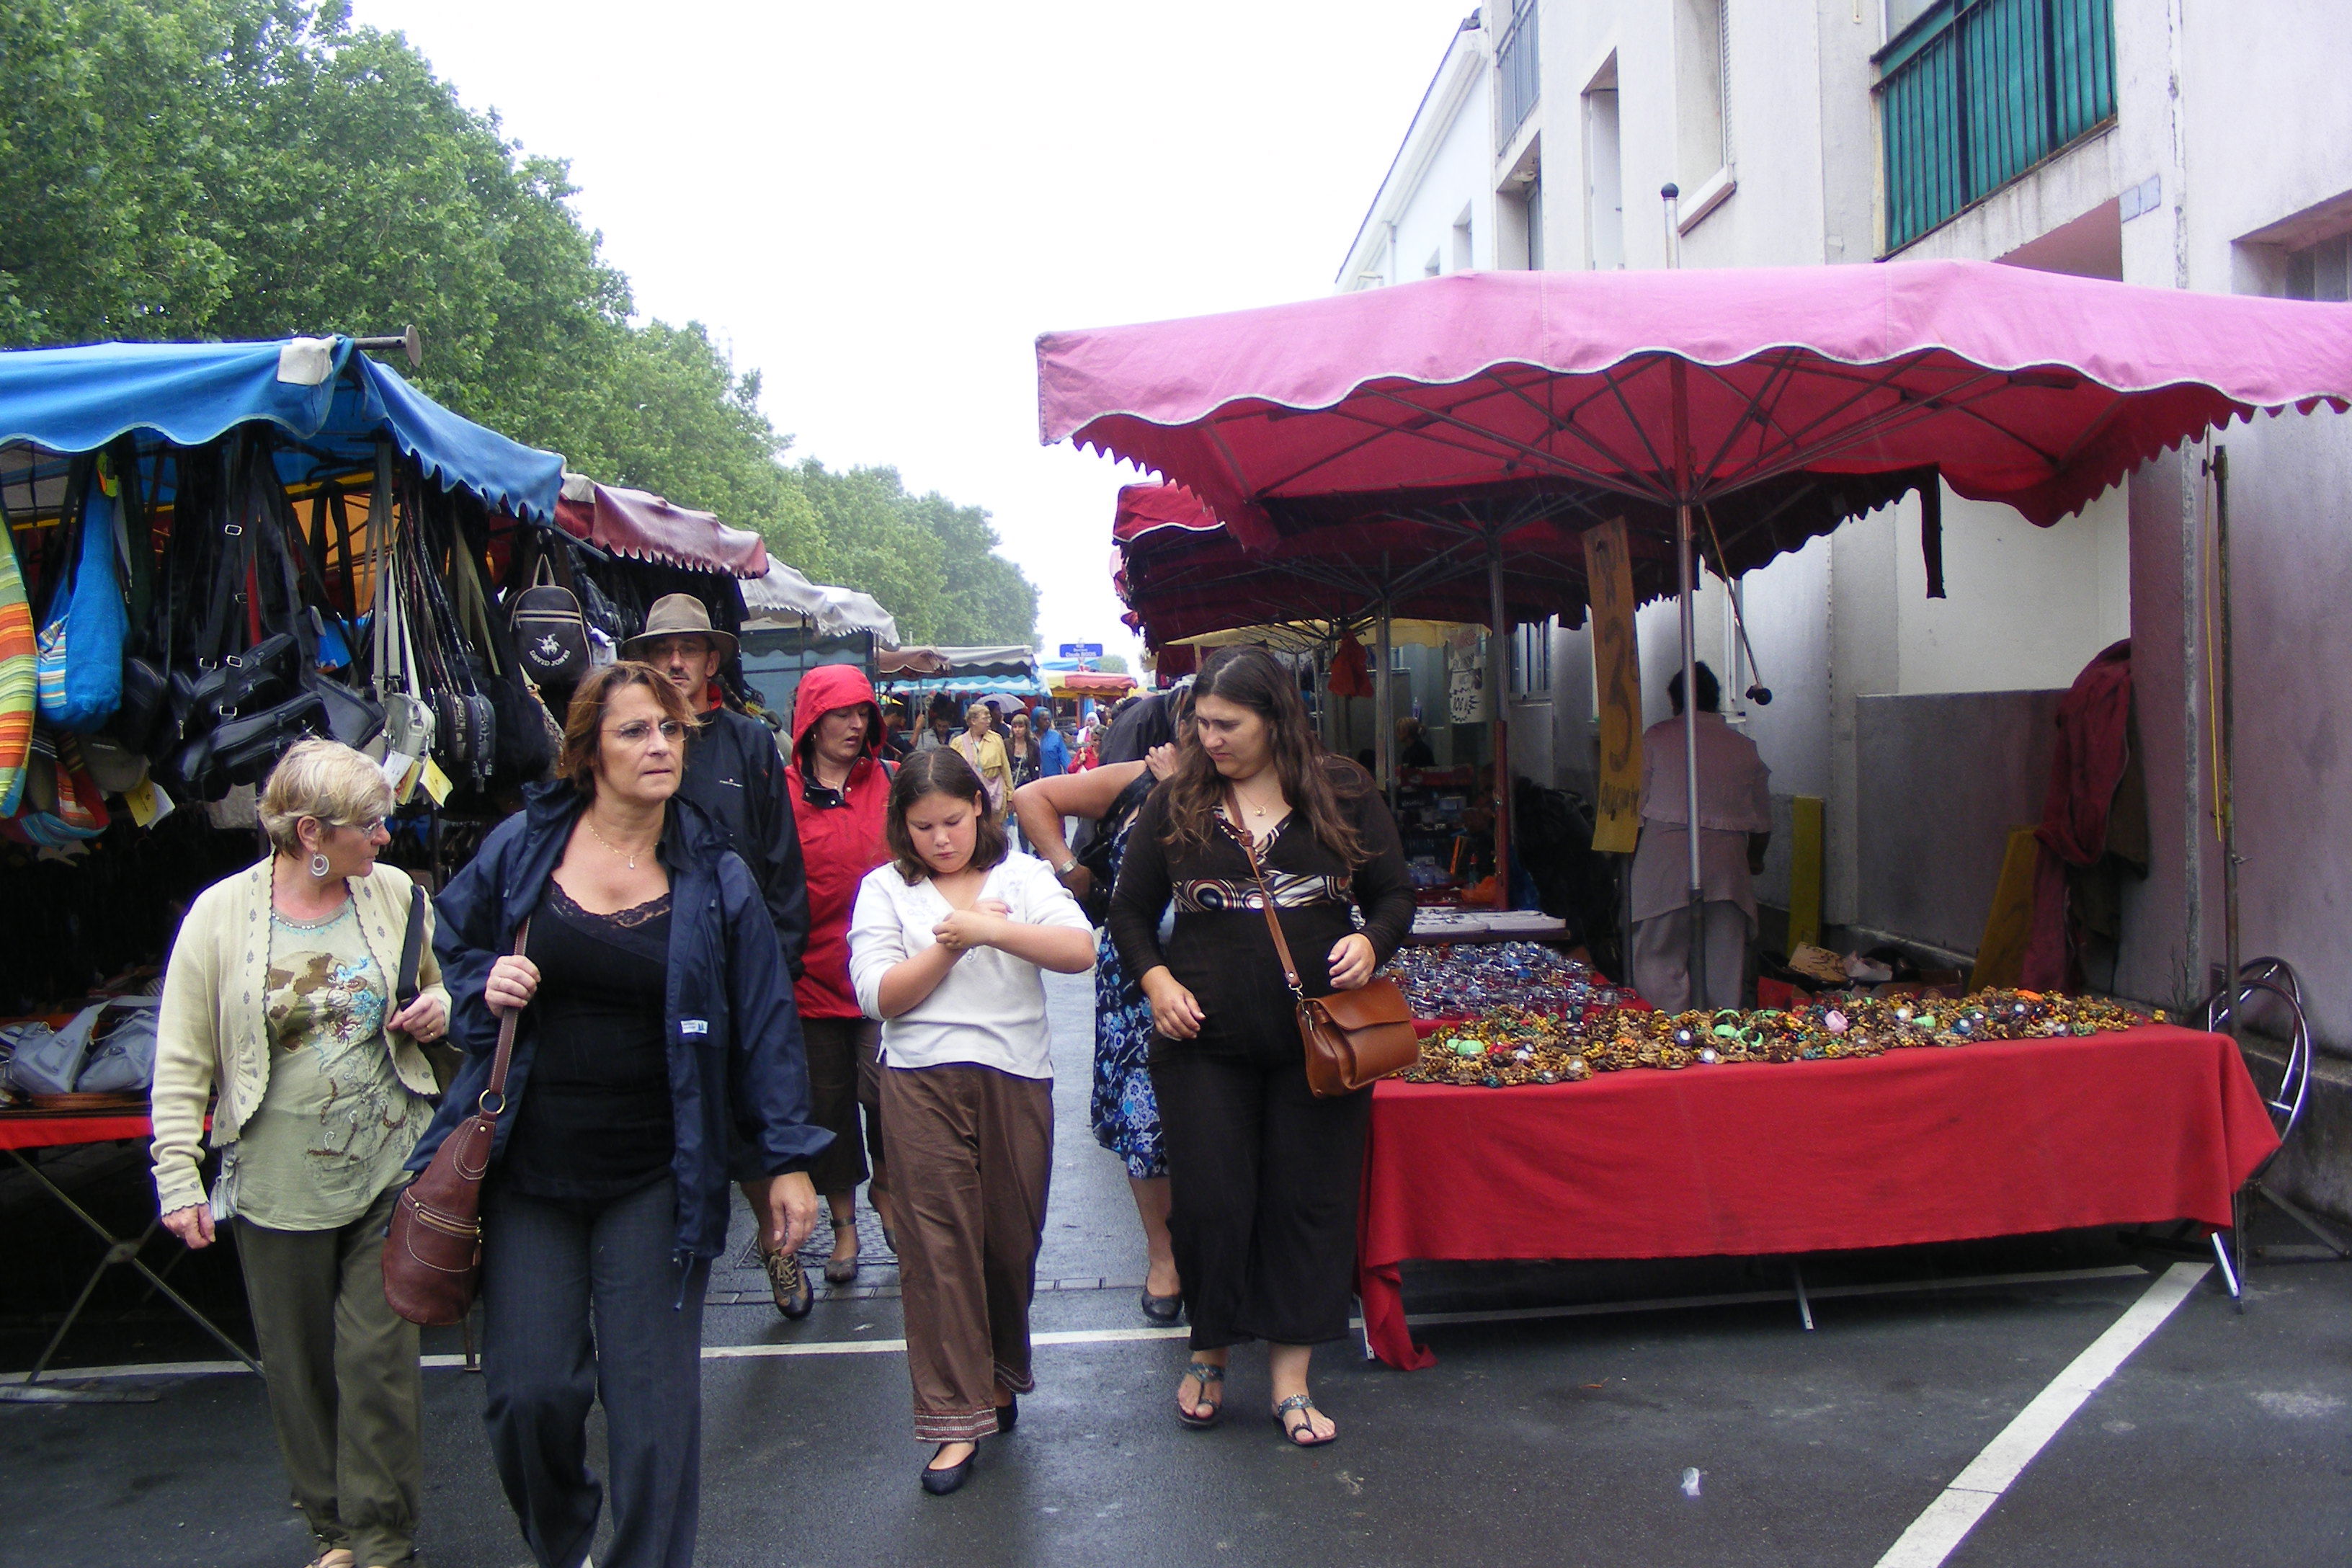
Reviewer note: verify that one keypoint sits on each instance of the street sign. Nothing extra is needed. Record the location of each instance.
(1082, 650)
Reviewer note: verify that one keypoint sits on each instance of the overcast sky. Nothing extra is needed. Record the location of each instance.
(881, 205)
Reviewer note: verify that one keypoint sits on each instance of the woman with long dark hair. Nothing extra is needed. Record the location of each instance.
(1263, 1174)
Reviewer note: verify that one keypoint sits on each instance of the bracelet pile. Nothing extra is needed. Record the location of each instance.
(1470, 980)
(1512, 1046)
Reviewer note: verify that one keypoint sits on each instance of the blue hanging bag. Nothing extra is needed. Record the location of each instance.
(78, 664)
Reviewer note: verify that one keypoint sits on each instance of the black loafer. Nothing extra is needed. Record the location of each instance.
(1163, 1310)
(1008, 1414)
(938, 1483)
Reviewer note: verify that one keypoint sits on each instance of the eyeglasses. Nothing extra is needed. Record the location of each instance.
(637, 732)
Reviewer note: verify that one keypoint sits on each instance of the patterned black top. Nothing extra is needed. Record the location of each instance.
(1220, 950)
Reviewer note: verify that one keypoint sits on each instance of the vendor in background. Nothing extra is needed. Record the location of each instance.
(735, 773)
(1735, 817)
(984, 748)
(1413, 744)
(280, 994)
(938, 731)
(841, 779)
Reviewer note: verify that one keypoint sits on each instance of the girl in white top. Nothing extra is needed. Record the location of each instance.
(945, 946)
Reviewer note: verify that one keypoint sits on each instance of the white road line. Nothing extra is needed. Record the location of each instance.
(1946, 1521)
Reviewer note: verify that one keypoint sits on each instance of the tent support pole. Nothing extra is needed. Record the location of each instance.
(1694, 908)
(1498, 687)
(1383, 723)
(2225, 699)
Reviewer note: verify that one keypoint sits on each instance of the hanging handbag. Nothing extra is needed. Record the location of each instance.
(549, 629)
(17, 699)
(407, 717)
(1351, 1037)
(78, 662)
(433, 1250)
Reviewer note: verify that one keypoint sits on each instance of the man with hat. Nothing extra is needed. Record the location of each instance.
(735, 774)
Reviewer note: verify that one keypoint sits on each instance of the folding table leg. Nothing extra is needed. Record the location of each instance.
(2328, 1239)
(119, 1251)
(1805, 1302)
(2229, 1273)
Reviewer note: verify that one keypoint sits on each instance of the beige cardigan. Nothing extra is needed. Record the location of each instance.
(211, 1027)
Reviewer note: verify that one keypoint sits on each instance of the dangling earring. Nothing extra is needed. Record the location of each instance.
(319, 868)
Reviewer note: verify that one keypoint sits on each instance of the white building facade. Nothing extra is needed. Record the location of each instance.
(2178, 143)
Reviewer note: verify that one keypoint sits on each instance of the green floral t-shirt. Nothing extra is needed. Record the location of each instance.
(336, 1124)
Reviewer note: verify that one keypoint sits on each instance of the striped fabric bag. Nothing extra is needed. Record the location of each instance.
(16, 697)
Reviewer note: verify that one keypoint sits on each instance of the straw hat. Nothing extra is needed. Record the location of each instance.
(679, 616)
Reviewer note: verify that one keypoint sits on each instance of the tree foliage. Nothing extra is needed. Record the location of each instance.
(223, 169)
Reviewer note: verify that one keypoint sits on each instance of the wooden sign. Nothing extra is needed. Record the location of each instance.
(1617, 675)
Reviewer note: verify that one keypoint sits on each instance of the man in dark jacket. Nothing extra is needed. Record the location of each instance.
(734, 771)
(735, 774)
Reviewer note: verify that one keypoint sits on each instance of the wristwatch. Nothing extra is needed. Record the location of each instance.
(1066, 866)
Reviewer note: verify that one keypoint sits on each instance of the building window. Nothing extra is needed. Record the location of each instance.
(2321, 271)
(1702, 99)
(1516, 79)
(1531, 661)
(1973, 93)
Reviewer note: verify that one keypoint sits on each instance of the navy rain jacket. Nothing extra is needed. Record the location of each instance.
(734, 1034)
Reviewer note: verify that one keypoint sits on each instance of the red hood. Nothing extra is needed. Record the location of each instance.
(831, 685)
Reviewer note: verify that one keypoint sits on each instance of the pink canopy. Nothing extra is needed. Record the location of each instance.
(2031, 388)
(641, 524)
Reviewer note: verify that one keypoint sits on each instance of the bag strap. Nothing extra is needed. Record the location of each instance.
(412, 950)
(498, 1084)
(1273, 921)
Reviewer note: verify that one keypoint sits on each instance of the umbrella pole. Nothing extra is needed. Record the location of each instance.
(1698, 991)
(1499, 685)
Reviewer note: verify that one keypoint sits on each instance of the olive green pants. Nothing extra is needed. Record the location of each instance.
(346, 1394)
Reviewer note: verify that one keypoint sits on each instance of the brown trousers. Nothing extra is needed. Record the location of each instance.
(971, 1153)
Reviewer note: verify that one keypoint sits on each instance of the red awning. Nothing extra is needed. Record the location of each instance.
(645, 527)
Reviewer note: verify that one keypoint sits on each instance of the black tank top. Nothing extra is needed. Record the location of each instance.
(595, 1120)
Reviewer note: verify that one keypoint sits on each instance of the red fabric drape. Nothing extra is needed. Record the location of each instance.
(2094, 724)
(2006, 1137)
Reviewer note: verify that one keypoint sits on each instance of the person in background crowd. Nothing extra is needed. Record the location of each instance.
(938, 732)
(1264, 1173)
(1735, 818)
(843, 783)
(736, 776)
(945, 945)
(279, 993)
(895, 743)
(984, 748)
(1020, 757)
(656, 1028)
(1413, 744)
(1053, 746)
(1124, 1111)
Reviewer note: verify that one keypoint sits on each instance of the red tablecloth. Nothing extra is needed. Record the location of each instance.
(51, 1128)
(2006, 1137)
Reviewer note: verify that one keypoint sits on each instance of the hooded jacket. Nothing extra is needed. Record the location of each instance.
(840, 835)
(731, 1030)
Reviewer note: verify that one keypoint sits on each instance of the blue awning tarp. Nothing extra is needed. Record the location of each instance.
(970, 685)
(330, 400)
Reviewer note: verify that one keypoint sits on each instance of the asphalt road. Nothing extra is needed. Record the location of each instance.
(1611, 1429)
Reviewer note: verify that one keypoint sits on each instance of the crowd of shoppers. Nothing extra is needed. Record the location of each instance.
(791, 968)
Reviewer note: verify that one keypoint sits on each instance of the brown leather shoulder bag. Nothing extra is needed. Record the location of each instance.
(1351, 1037)
(433, 1251)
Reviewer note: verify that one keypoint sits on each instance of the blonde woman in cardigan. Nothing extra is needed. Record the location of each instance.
(279, 993)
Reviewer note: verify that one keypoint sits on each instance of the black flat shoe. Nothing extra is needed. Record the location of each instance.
(1163, 1310)
(1008, 1414)
(938, 1483)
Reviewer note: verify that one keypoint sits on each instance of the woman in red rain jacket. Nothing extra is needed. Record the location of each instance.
(838, 785)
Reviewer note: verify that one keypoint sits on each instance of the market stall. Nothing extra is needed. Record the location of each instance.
(795, 624)
(2147, 1124)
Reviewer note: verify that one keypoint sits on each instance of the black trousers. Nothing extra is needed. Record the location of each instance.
(1263, 1179)
(582, 1303)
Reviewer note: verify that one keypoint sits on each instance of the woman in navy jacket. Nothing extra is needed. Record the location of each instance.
(655, 1006)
